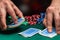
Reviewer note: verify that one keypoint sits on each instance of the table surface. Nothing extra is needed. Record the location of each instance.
(13, 34)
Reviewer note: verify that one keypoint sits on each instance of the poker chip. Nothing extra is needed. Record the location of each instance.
(40, 20)
(38, 16)
(25, 23)
(42, 15)
(28, 18)
(32, 20)
(35, 23)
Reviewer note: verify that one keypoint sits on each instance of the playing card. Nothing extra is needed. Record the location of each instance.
(47, 34)
(29, 32)
(20, 21)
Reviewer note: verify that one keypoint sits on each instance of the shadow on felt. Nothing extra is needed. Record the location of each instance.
(12, 31)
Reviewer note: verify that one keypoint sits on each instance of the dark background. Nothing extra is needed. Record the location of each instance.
(30, 7)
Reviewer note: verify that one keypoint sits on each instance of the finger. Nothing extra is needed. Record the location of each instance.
(3, 18)
(45, 21)
(11, 12)
(18, 12)
(57, 21)
(49, 21)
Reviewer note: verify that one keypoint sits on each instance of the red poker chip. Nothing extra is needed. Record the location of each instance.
(34, 17)
(35, 23)
(38, 16)
(28, 18)
(31, 22)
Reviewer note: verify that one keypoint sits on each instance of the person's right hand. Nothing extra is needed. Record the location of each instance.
(8, 6)
(53, 13)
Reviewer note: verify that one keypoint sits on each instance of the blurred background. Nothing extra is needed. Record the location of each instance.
(30, 7)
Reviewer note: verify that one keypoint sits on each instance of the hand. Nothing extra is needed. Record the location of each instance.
(52, 12)
(8, 6)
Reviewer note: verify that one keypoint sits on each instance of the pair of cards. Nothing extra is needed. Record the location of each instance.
(20, 21)
(29, 32)
(48, 34)
(32, 31)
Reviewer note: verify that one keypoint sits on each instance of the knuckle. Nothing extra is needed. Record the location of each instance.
(50, 9)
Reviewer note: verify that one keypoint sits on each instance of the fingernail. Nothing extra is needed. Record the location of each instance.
(49, 29)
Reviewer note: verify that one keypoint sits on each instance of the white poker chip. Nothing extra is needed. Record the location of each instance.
(20, 21)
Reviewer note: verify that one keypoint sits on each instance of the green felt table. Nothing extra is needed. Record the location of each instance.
(13, 34)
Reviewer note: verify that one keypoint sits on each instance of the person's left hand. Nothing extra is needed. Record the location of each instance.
(11, 8)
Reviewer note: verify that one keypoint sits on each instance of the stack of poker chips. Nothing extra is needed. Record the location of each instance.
(32, 20)
(36, 18)
(40, 20)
